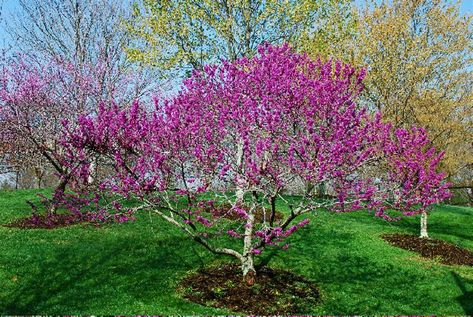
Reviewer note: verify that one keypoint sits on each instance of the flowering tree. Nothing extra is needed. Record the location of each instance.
(412, 164)
(216, 159)
(34, 98)
(37, 94)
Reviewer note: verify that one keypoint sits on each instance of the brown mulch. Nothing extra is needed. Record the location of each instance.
(447, 253)
(223, 210)
(275, 292)
(50, 221)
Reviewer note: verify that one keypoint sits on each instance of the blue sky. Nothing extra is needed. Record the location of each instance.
(467, 6)
(9, 6)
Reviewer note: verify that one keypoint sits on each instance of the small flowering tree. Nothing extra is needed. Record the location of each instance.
(412, 166)
(37, 94)
(34, 98)
(216, 159)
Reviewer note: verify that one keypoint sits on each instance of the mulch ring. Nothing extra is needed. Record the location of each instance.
(46, 221)
(260, 214)
(275, 292)
(447, 253)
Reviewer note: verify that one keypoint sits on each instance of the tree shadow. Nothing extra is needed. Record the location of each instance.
(436, 225)
(466, 299)
(74, 280)
(436, 228)
(359, 280)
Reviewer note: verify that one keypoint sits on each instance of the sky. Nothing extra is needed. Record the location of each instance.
(10, 6)
(467, 6)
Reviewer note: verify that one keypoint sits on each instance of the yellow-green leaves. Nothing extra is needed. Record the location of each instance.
(418, 54)
(177, 34)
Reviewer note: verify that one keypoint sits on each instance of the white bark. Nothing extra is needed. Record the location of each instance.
(90, 178)
(423, 225)
(247, 264)
(239, 192)
(239, 155)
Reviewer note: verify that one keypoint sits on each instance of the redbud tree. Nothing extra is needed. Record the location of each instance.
(37, 94)
(216, 159)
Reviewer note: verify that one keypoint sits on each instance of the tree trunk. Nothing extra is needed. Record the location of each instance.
(321, 193)
(247, 265)
(17, 179)
(309, 186)
(61, 187)
(90, 178)
(39, 173)
(423, 225)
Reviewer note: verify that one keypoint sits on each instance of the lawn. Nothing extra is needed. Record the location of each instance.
(133, 268)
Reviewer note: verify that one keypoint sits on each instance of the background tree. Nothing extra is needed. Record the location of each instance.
(189, 34)
(34, 99)
(83, 32)
(289, 118)
(419, 61)
(336, 36)
(73, 29)
(85, 36)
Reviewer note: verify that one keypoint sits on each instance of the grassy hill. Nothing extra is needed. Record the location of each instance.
(133, 268)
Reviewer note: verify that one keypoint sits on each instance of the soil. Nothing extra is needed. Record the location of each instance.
(275, 292)
(223, 210)
(445, 252)
(50, 221)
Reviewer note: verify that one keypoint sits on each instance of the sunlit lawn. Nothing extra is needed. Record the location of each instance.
(133, 268)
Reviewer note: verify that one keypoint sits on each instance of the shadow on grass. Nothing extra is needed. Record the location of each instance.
(356, 278)
(466, 299)
(74, 280)
(435, 227)
(452, 221)
(113, 274)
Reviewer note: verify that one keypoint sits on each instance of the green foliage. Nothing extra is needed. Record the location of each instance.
(189, 34)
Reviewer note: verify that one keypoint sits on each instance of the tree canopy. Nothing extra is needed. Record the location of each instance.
(189, 34)
(236, 137)
(419, 60)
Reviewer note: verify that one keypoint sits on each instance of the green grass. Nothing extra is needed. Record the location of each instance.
(133, 268)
